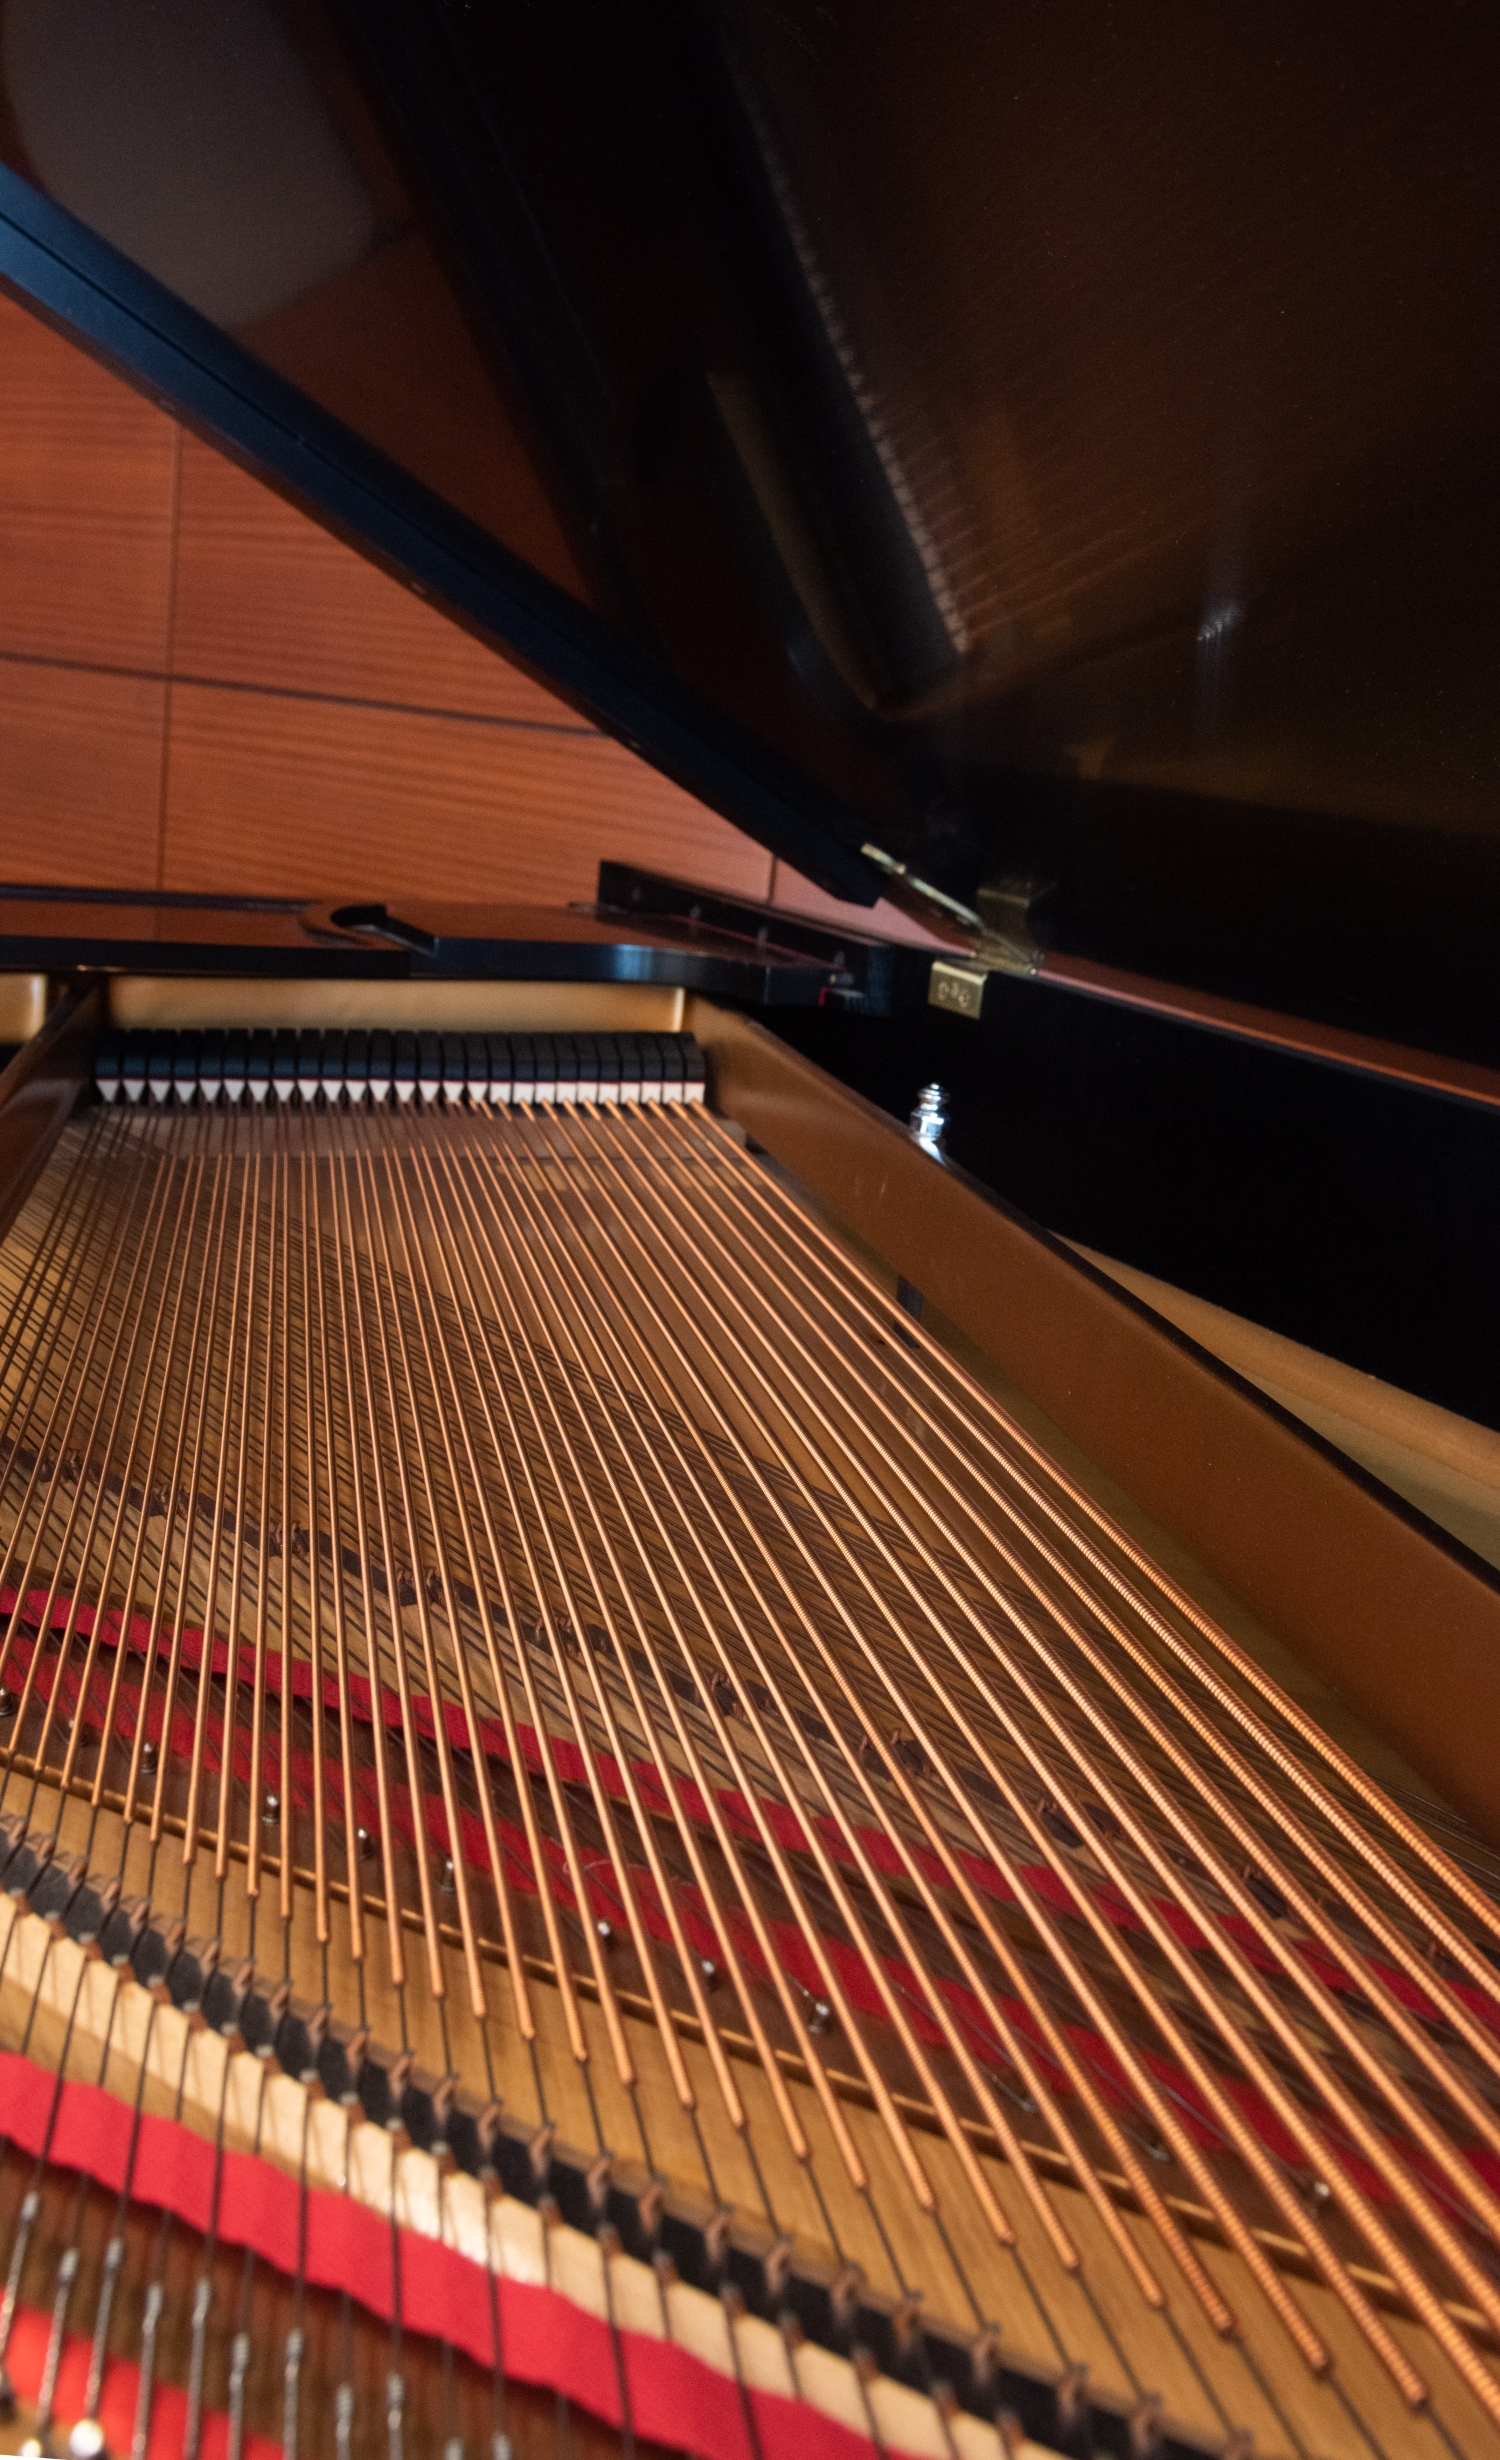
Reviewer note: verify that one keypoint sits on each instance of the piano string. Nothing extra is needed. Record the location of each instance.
(498, 1593)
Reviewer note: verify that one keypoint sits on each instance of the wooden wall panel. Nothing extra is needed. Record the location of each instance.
(265, 596)
(200, 689)
(87, 479)
(269, 793)
(80, 776)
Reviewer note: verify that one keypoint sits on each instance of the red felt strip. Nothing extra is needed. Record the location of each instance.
(675, 2398)
(606, 1901)
(27, 2356)
(572, 1766)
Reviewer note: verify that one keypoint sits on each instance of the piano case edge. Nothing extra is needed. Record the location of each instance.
(1397, 1616)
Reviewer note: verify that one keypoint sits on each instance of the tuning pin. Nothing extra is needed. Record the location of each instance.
(364, 1844)
(271, 1810)
(1144, 2427)
(86, 2442)
(148, 1756)
(597, 2183)
(291, 2387)
(945, 2401)
(239, 2367)
(606, 1932)
(1072, 2397)
(821, 2017)
(445, 1875)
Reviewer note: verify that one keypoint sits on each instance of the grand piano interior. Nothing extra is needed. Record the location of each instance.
(748, 1664)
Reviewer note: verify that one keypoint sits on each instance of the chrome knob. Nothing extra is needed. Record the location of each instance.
(929, 1121)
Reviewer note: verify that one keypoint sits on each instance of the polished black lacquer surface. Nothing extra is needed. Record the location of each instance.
(98, 931)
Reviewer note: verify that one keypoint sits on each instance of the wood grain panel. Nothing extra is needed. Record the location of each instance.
(266, 596)
(80, 776)
(281, 795)
(86, 502)
(430, 764)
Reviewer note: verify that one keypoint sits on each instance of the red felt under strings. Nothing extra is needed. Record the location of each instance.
(605, 1884)
(27, 2355)
(675, 2398)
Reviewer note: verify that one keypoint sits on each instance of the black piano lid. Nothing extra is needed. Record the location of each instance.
(1050, 440)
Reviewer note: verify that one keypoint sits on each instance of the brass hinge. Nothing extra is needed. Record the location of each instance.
(996, 930)
(1004, 945)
